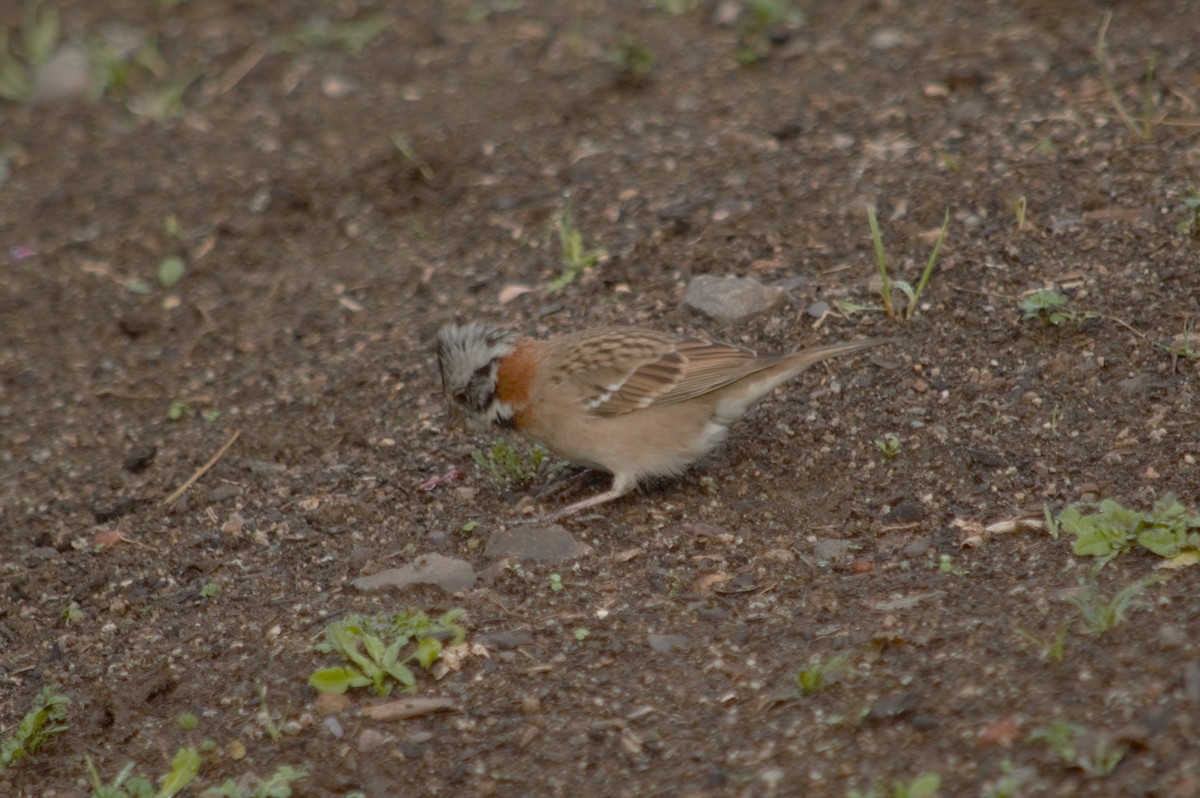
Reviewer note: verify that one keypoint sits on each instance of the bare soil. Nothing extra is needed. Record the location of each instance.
(320, 260)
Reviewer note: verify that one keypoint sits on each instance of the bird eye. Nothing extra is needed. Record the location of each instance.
(460, 397)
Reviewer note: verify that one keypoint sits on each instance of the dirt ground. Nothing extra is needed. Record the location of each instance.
(333, 205)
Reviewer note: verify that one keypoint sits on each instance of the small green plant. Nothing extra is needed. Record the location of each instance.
(170, 271)
(759, 22)
(556, 582)
(1064, 739)
(508, 463)
(351, 36)
(631, 60)
(912, 295)
(374, 645)
(1008, 785)
(188, 722)
(1054, 649)
(819, 675)
(401, 143)
(924, 786)
(1047, 306)
(1167, 530)
(176, 410)
(264, 712)
(575, 258)
(210, 590)
(39, 36)
(184, 767)
(1191, 225)
(888, 446)
(1100, 614)
(1146, 129)
(582, 634)
(278, 785)
(41, 722)
(675, 8)
(72, 614)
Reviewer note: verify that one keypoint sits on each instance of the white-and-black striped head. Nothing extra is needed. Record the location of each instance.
(469, 356)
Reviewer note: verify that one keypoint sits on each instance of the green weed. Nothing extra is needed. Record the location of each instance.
(1146, 129)
(1191, 225)
(1054, 649)
(1047, 306)
(410, 154)
(1167, 530)
(278, 785)
(1064, 739)
(351, 36)
(508, 463)
(39, 36)
(374, 646)
(912, 295)
(41, 722)
(888, 446)
(924, 786)
(1100, 614)
(631, 60)
(576, 259)
(184, 767)
(819, 675)
(760, 20)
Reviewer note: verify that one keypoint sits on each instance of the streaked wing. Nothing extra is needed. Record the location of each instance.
(631, 370)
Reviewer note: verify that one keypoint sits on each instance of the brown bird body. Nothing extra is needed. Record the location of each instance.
(635, 403)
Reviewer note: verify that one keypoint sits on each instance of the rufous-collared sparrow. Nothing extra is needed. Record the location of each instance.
(635, 403)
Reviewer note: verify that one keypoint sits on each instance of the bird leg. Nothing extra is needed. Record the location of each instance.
(621, 485)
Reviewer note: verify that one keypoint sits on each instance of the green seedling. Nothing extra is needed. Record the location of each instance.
(184, 767)
(188, 722)
(1008, 785)
(41, 722)
(1167, 530)
(889, 446)
(264, 712)
(1146, 129)
(575, 258)
(582, 634)
(819, 675)
(1047, 306)
(758, 23)
(278, 785)
(631, 60)
(176, 410)
(375, 646)
(72, 614)
(507, 463)
(1054, 649)
(163, 101)
(1191, 225)
(406, 149)
(39, 36)
(556, 582)
(912, 295)
(210, 590)
(1064, 738)
(1101, 615)
(675, 8)
(924, 786)
(352, 36)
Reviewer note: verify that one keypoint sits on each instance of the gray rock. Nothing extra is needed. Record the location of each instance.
(448, 573)
(549, 543)
(664, 643)
(731, 299)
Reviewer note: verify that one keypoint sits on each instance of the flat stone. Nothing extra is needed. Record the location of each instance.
(731, 299)
(448, 573)
(550, 543)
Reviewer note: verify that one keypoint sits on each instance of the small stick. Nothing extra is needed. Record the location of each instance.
(201, 471)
